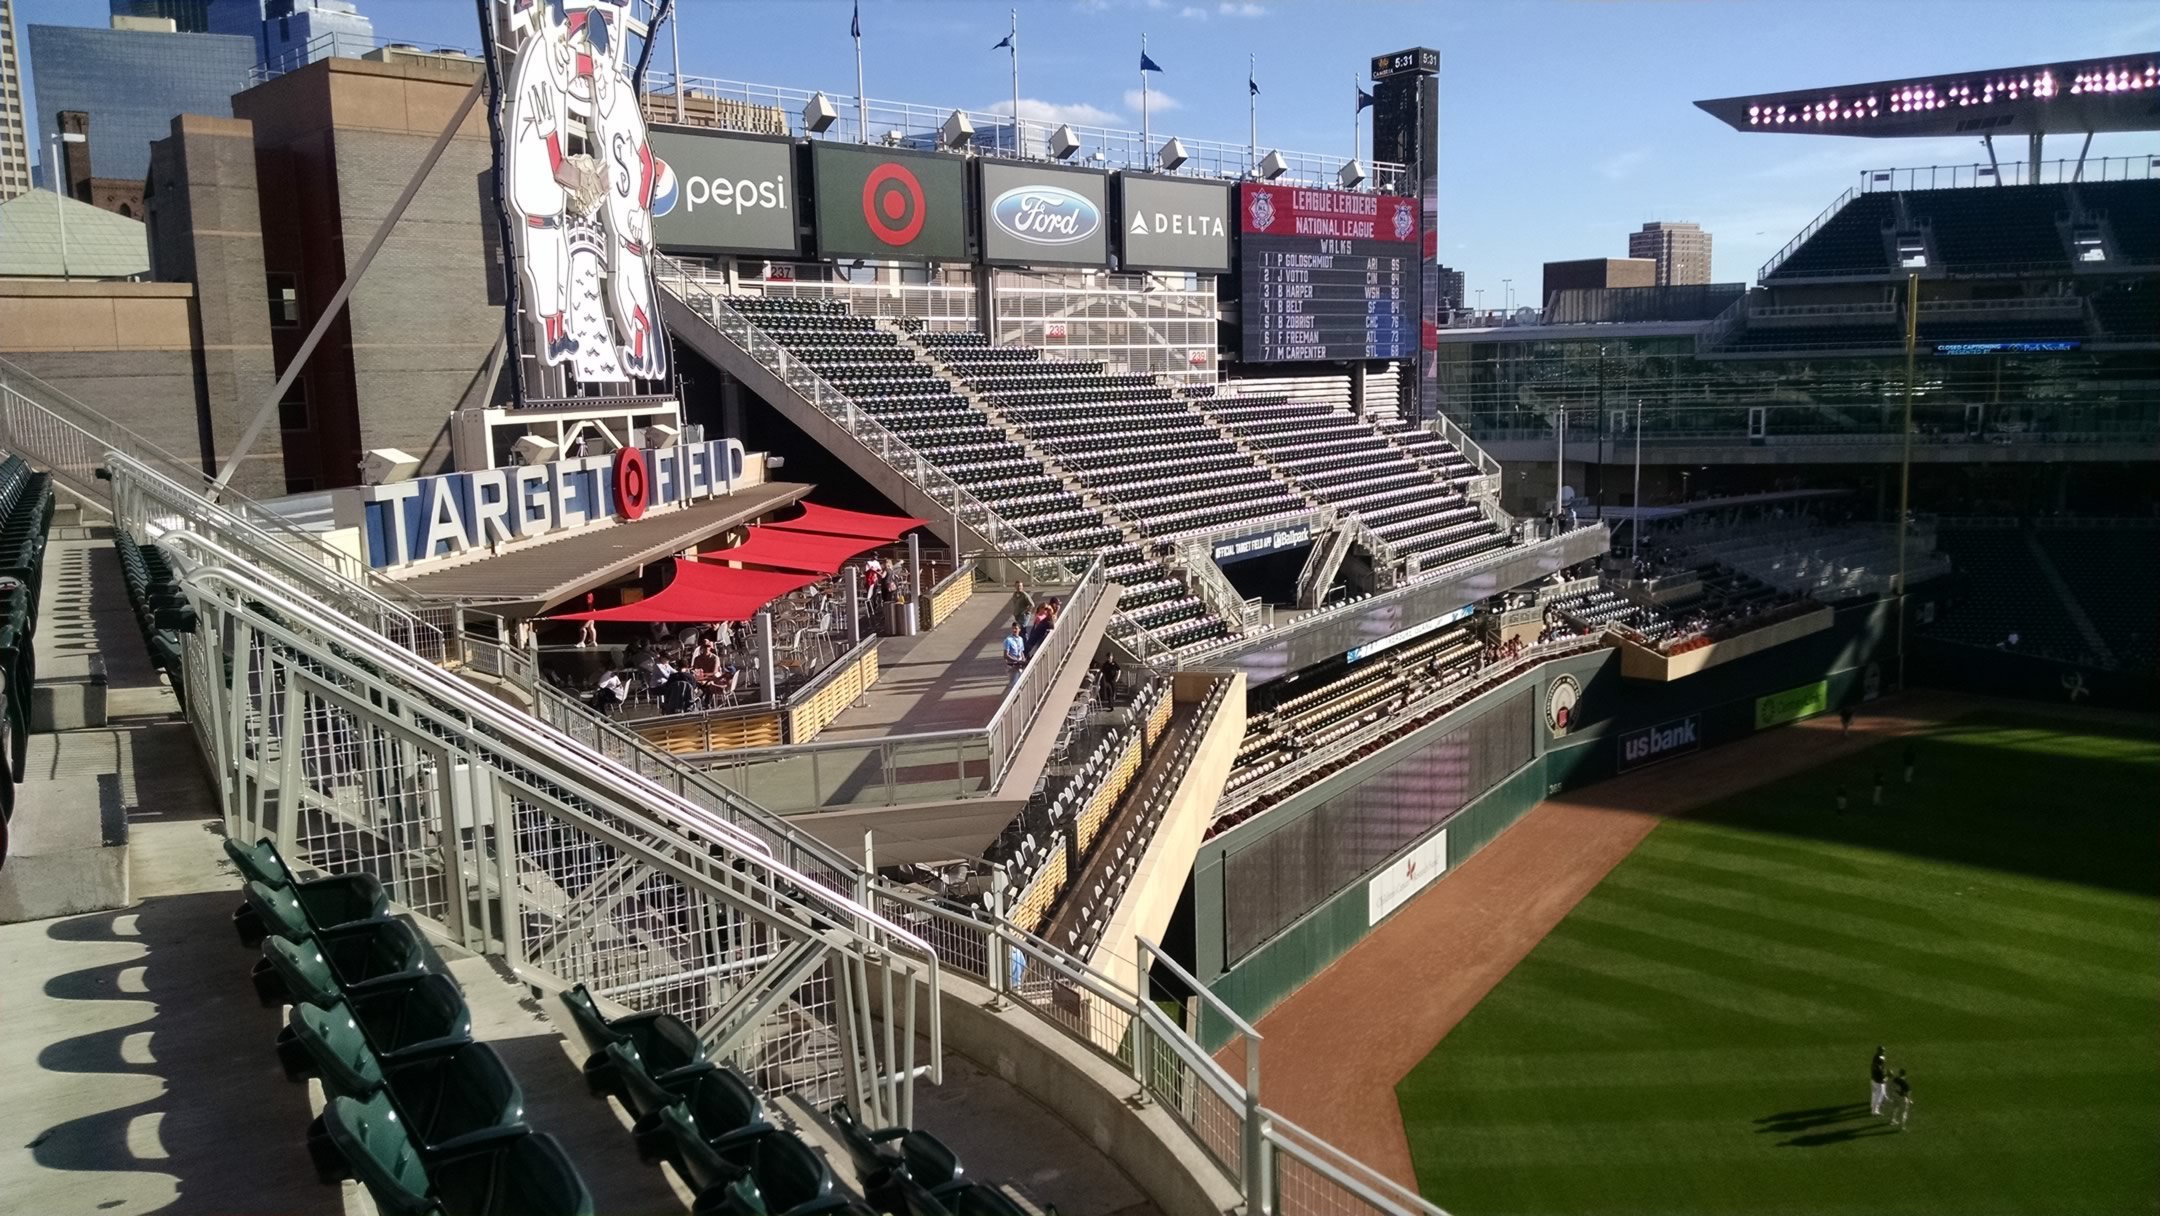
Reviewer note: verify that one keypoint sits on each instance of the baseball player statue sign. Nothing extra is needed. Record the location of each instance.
(579, 183)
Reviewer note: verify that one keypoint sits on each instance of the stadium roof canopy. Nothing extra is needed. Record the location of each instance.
(2116, 93)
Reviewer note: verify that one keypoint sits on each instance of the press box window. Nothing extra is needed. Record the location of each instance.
(284, 301)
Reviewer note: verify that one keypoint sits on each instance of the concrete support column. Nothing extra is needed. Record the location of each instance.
(762, 650)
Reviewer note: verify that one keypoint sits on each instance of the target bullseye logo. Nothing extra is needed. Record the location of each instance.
(892, 204)
(633, 483)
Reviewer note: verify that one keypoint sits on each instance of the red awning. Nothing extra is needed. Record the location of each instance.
(790, 550)
(834, 522)
(703, 591)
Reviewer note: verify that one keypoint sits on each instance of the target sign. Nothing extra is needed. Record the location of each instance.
(892, 204)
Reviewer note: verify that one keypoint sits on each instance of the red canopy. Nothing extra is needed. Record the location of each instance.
(702, 591)
(834, 522)
(790, 550)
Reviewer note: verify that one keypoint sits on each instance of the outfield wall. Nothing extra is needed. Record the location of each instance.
(1271, 872)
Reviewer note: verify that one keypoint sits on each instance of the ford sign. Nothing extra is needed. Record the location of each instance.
(1046, 215)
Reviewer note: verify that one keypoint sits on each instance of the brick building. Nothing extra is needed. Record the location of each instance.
(1681, 251)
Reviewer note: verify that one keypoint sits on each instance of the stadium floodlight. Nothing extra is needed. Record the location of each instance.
(382, 466)
(1171, 155)
(818, 113)
(1351, 175)
(1063, 143)
(1271, 167)
(957, 132)
(892, 138)
(660, 435)
(532, 449)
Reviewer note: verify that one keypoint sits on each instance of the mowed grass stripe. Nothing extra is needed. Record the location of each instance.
(1693, 1037)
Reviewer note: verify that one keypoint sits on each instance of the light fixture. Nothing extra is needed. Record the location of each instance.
(1350, 175)
(818, 113)
(381, 466)
(660, 435)
(532, 449)
(1171, 155)
(957, 132)
(1063, 143)
(1271, 167)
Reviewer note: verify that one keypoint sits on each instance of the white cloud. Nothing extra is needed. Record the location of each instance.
(1193, 12)
(1622, 164)
(1158, 4)
(1228, 9)
(1053, 113)
(1157, 100)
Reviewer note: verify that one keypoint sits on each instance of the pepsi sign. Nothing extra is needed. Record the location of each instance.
(1033, 215)
(1661, 742)
(723, 193)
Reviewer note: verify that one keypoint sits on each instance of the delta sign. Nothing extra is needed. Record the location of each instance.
(408, 522)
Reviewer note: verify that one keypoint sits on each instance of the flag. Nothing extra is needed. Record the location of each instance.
(1364, 100)
(1252, 86)
(1147, 64)
(854, 28)
(1002, 43)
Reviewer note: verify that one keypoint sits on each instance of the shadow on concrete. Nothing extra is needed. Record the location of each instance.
(225, 1132)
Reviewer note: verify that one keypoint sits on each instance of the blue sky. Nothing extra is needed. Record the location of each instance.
(1564, 123)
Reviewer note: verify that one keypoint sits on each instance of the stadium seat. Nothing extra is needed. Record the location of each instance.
(913, 1173)
(334, 900)
(444, 1100)
(403, 1023)
(766, 1171)
(514, 1172)
(664, 1043)
(364, 956)
(719, 1101)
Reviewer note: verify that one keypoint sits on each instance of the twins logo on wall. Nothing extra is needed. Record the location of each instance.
(582, 187)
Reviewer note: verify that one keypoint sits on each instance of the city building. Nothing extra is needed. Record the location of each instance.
(14, 120)
(1681, 251)
(1451, 288)
(131, 82)
(100, 244)
(1587, 273)
(122, 196)
(291, 34)
(187, 16)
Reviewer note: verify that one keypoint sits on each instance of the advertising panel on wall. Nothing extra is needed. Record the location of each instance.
(1173, 223)
(884, 203)
(1035, 215)
(724, 193)
(1792, 705)
(1651, 744)
(1405, 877)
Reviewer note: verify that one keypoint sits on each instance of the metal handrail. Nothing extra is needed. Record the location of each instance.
(1813, 227)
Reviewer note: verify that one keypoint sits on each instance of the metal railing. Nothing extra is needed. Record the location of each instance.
(501, 835)
(2063, 172)
(1814, 226)
(912, 124)
(923, 765)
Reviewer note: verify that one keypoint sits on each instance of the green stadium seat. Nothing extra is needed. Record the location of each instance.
(444, 1100)
(720, 1102)
(333, 900)
(664, 1042)
(765, 1173)
(913, 1173)
(365, 956)
(513, 1172)
(423, 1018)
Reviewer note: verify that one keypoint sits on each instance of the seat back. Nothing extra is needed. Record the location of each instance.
(538, 1179)
(259, 862)
(430, 1012)
(456, 1094)
(341, 1053)
(279, 910)
(372, 1141)
(639, 1091)
(787, 1171)
(307, 975)
(929, 1160)
(701, 1167)
(591, 1023)
(723, 1103)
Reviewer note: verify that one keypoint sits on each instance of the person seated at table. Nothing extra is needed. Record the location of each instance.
(609, 695)
(679, 694)
(705, 664)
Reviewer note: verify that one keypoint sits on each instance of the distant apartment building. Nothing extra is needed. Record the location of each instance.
(187, 16)
(1681, 251)
(1451, 289)
(14, 121)
(131, 83)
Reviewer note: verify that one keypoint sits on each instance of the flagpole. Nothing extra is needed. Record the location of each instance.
(862, 104)
(1252, 109)
(1147, 139)
(1357, 117)
(675, 43)
(1019, 145)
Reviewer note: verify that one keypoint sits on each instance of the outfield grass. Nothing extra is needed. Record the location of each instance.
(1694, 1036)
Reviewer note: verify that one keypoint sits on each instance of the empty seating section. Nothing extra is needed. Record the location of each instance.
(1850, 242)
(2129, 311)
(1285, 721)
(908, 397)
(2001, 590)
(1597, 607)
(2116, 583)
(1995, 226)
(2133, 216)
(161, 607)
(429, 1121)
(1136, 444)
(26, 512)
(1406, 484)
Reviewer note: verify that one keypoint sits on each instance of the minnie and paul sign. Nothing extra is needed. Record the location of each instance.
(407, 522)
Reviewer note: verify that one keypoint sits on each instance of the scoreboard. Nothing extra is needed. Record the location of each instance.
(1327, 275)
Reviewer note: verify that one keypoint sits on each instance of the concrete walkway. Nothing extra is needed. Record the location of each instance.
(951, 678)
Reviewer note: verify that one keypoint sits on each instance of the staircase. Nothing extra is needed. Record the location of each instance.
(1325, 562)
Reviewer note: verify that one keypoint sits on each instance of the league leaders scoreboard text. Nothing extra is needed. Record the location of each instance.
(1327, 275)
